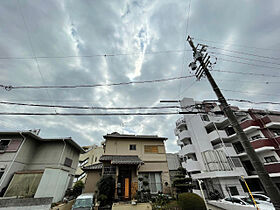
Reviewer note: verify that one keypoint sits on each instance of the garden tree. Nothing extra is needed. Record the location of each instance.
(143, 193)
(78, 188)
(181, 182)
(191, 201)
(106, 190)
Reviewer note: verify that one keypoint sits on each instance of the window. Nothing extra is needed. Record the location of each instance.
(4, 144)
(132, 147)
(205, 117)
(68, 162)
(230, 131)
(109, 170)
(154, 180)
(270, 159)
(276, 132)
(150, 149)
(238, 147)
(256, 137)
(236, 162)
(233, 190)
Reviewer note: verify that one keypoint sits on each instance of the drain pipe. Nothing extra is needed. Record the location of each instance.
(10, 166)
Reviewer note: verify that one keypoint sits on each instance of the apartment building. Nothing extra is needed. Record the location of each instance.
(211, 151)
(127, 157)
(32, 166)
(90, 157)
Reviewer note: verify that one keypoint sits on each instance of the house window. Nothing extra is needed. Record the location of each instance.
(205, 117)
(154, 180)
(132, 147)
(256, 137)
(270, 159)
(238, 147)
(68, 162)
(233, 190)
(150, 149)
(4, 144)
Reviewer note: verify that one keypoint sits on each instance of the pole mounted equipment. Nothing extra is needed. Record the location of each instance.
(202, 70)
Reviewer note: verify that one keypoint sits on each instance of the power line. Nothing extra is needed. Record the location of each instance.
(231, 43)
(243, 53)
(93, 55)
(253, 102)
(88, 114)
(90, 107)
(246, 73)
(10, 87)
(248, 59)
(250, 64)
(246, 92)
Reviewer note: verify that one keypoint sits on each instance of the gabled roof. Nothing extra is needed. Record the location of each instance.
(34, 136)
(96, 166)
(121, 159)
(135, 137)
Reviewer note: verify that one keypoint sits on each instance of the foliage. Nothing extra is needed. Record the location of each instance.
(78, 188)
(143, 195)
(191, 201)
(181, 182)
(106, 190)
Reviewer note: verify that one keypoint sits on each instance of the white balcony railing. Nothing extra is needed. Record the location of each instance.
(184, 135)
(187, 149)
(191, 165)
(217, 134)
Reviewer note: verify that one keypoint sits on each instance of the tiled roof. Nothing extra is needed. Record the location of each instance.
(128, 136)
(96, 166)
(121, 159)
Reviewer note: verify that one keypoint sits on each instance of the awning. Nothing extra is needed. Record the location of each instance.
(96, 166)
(121, 159)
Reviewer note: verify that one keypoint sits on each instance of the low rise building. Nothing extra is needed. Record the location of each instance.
(212, 152)
(32, 166)
(127, 157)
(90, 157)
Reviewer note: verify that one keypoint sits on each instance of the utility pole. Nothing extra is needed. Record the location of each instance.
(204, 61)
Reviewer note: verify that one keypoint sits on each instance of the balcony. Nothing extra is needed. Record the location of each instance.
(216, 135)
(184, 135)
(191, 165)
(271, 121)
(218, 121)
(227, 148)
(272, 167)
(187, 149)
(179, 143)
(261, 143)
(181, 123)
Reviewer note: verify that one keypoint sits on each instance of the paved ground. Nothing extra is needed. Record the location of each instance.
(65, 206)
(139, 206)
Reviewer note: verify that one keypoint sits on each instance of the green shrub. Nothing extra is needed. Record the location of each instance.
(106, 190)
(191, 201)
(78, 188)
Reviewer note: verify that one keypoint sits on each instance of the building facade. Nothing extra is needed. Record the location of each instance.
(90, 157)
(211, 151)
(128, 157)
(32, 166)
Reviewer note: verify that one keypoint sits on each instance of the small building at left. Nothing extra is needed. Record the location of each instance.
(32, 166)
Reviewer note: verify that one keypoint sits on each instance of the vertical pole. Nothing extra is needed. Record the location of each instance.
(199, 183)
(269, 186)
(250, 192)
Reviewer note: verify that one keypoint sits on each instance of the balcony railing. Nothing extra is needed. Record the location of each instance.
(191, 165)
(272, 167)
(217, 134)
(180, 122)
(187, 149)
(184, 135)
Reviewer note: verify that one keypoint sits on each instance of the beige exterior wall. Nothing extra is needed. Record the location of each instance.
(93, 156)
(91, 181)
(153, 162)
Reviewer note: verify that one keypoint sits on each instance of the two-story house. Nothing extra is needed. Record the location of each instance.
(127, 157)
(32, 166)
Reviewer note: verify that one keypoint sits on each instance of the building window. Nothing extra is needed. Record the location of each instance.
(154, 180)
(238, 147)
(4, 144)
(68, 162)
(256, 137)
(205, 117)
(270, 159)
(229, 131)
(233, 190)
(132, 147)
(1, 174)
(150, 149)
(276, 132)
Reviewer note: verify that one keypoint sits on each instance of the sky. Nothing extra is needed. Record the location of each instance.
(58, 42)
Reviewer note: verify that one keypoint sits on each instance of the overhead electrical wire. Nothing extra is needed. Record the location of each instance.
(10, 87)
(233, 44)
(253, 102)
(246, 92)
(245, 73)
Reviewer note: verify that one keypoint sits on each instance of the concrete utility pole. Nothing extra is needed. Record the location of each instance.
(204, 61)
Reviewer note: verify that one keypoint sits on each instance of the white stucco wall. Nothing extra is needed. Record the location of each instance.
(54, 182)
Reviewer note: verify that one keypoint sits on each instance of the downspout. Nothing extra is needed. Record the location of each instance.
(10, 166)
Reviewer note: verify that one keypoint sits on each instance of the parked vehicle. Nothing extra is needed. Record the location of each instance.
(246, 201)
(261, 197)
(84, 202)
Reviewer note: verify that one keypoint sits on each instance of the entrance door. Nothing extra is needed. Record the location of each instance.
(125, 181)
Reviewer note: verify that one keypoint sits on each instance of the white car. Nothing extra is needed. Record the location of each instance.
(246, 201)
(261, 197)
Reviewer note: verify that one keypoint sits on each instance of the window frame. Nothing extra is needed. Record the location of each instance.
(132, 147)
(270, 159)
